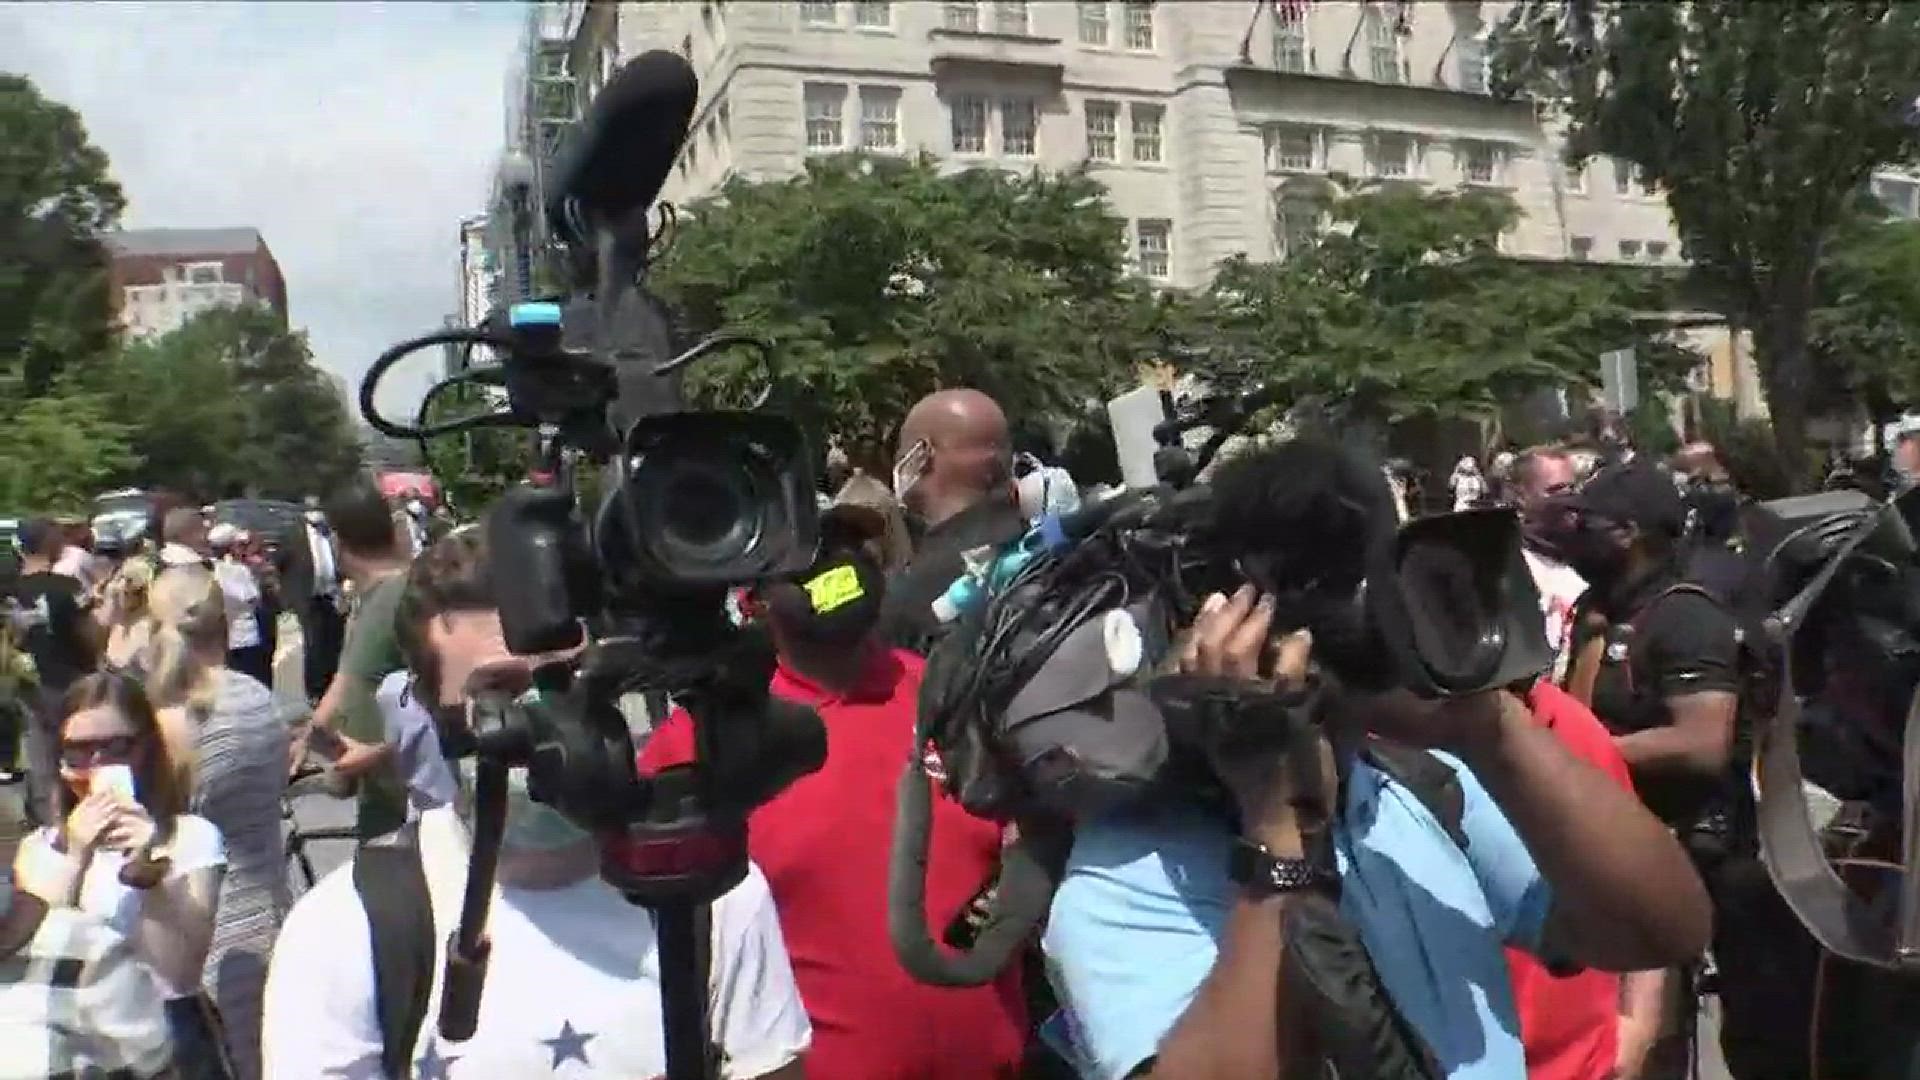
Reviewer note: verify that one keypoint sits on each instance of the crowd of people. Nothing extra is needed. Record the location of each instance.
(1535, 874)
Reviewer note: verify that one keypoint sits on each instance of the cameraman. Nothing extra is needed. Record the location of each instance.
(573, 973)
(1169, 967)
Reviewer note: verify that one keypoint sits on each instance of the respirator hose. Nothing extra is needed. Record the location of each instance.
(1031, 868)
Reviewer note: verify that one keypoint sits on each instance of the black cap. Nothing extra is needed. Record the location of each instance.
(837, 600)
(1634, 493)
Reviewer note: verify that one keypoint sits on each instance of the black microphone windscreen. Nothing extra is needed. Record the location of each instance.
(1303, 513)
(617, 157)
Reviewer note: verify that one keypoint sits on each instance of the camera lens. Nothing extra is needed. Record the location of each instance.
(699, 514)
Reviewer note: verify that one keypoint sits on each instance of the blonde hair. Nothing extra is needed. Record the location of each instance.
(129, 588)
(186, 612)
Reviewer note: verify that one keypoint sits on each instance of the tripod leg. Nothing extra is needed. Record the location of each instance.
(683, 991)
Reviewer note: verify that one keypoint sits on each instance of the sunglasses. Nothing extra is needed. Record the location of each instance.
(86, 753)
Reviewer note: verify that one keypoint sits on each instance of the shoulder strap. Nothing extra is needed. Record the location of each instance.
(1675, 590)
(392, 883)
(1431, 780)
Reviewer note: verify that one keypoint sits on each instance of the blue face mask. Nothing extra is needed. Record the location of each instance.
(531, 825)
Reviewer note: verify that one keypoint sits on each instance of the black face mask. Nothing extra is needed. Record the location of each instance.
(1593, 554)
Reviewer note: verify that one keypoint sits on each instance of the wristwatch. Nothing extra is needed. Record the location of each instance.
(1252, 866)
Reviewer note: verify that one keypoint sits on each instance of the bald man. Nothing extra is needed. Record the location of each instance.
(953, 471)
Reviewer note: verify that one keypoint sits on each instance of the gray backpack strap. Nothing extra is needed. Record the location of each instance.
(392, 883)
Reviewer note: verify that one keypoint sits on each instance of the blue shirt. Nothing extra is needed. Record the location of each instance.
(1135, 923)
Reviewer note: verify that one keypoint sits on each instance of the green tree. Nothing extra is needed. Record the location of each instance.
(882, 280)
(56, 199)
(230, 403)
(1761, 122)
(60, 448)
(474, 468)
(1865, 333)
(1407, 308)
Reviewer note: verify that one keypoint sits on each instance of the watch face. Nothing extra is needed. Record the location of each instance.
(1254, 867)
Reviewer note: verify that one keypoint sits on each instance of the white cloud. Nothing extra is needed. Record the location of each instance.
(354, 136)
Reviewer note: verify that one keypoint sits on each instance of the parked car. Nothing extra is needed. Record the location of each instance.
(120, 519)
(268, 519)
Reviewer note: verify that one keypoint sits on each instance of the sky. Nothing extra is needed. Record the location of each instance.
(353, 136)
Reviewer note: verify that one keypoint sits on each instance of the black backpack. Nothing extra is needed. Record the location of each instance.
(1357, 1029)
(392, 883)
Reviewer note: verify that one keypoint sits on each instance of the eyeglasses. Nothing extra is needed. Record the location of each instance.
(111, 750)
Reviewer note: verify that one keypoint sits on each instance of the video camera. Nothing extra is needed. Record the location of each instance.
(694, 501)
(1048, 703)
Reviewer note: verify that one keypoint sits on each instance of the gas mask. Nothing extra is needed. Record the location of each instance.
(531, 826)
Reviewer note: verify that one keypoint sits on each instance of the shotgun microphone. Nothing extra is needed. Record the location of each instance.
(616, 158)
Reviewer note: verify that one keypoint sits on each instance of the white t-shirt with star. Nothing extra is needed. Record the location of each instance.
(572, 989)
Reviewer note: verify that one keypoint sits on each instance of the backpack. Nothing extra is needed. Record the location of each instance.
(391, 881)
(1358, 1031)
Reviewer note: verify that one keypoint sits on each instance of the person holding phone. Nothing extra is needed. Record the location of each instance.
(127, 852)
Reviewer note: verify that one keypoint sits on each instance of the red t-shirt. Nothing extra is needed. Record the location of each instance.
(1570, 1026)
(823, 845)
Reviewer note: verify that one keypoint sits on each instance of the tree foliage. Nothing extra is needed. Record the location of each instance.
(1865, 333)
(1407, 308)
(60, 448)
(56, 199)
(231, 403)
(882, 280)
(1760, 122)
(474, 468)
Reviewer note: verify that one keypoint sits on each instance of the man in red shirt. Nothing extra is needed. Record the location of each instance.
(1580, 1027)
(823, 845)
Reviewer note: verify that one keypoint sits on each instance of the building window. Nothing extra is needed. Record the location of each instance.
(879, 118)
(1147, 123)
(1010, 18)
(873, 14)
(970, 125)
(1630, 179)
(1383, 47)
(1155, 248)
(1656, 250)
(1290, 37)
(1901, 197)
(203, 274)
(1575, 178)
(963, 16)
(1299, 226)
(1470, 61)
(819, 12)
(1292, 148)
(1480, 163)
(1103, 131)
(1582, 248)
(825, 104)
(1139, 25)
(1019, 127)
(1629, 249)
(1093, 22)
(1390, 157)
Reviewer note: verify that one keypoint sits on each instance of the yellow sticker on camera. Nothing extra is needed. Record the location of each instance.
(834, 589)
